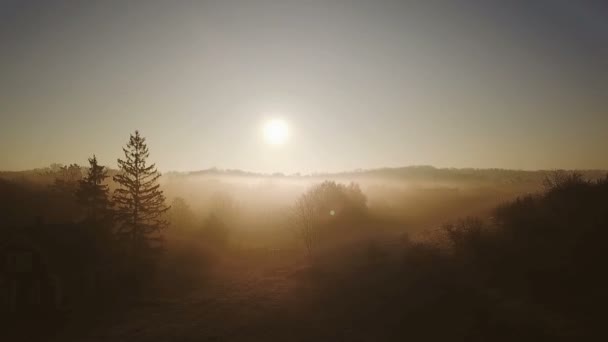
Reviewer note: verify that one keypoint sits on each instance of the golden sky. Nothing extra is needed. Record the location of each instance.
(361, 84)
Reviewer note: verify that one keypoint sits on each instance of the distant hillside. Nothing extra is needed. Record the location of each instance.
(407, 174)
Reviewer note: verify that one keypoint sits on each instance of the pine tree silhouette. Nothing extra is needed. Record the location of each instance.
(140, 204)
(92, 194)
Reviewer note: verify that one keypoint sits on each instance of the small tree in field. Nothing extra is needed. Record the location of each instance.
(181, 217)
(306, 215)
(321, 205)
(92, 194)
(140, 204)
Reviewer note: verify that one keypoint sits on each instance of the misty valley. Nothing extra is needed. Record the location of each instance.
(92, 253)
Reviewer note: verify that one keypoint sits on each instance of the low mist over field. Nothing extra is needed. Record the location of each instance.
(411, 198)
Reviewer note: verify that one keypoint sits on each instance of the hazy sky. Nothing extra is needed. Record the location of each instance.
(362, 84)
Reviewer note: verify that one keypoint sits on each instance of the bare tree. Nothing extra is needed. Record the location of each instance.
(560, 179)
(305, 215)
(320, 205)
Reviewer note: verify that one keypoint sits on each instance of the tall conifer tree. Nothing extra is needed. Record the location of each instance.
(140, 204)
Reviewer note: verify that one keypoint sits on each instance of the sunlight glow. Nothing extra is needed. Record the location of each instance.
(276, 132)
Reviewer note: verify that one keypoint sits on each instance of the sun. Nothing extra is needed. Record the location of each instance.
(275, 132)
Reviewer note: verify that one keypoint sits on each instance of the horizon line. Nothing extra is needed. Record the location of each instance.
(319, 173)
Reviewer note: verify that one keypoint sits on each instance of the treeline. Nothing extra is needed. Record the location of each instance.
(534, 270)
(133, 211)
(425, 174)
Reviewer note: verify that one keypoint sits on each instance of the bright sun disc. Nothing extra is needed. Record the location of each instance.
(276, 132)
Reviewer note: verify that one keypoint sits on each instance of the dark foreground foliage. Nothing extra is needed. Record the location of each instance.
(532, 271)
